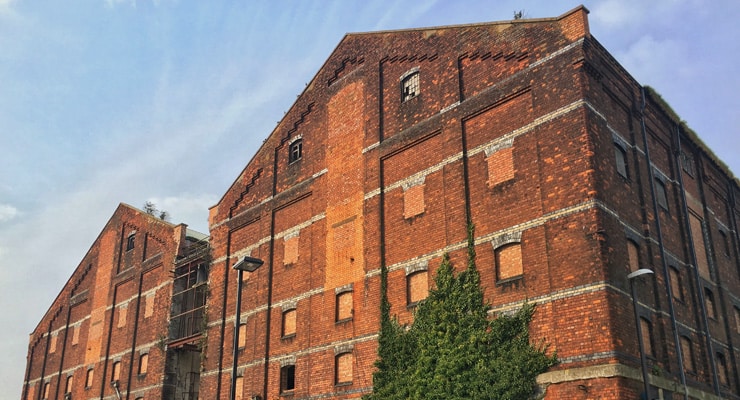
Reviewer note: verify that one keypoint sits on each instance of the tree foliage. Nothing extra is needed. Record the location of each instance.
(453, 350)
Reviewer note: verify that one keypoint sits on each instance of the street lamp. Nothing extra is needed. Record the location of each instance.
(643, 362)
(249, 264)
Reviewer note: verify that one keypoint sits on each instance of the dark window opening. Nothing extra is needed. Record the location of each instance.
(621, 158)
(130, 242)
(295, 151)
(287, 378)
(688, 164)
(661, 194)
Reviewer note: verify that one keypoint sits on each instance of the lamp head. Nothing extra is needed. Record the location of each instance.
(640, 272)
(249, 264)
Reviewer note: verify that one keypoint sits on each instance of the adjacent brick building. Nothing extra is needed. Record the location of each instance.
(573, 174)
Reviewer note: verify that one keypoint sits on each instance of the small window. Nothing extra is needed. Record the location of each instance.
(343, 368)
(687, 163)
(410, 85)
(242, 336)
(709, 304)
(46, 391)
(633, 256)
(676, 283)
(143, 363)
(661, 194)
(509, 261)
(417, 287)
(344, 306)
(621, 160)
(687, 351)
(116, 371)
(287, 378)
(130, 242)
(295, 151)
(725, 242)
(289, 323)
(68, 385)
(89, 378)
(722, 369)
(646, 328)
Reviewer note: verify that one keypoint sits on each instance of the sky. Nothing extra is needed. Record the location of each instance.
(110, 101)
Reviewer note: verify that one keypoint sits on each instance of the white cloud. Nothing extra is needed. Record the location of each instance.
(7, 212)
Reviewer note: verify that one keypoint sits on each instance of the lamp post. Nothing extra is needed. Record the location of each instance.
(643, 362)
(249, 264)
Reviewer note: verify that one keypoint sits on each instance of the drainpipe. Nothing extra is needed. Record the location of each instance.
(697, 278)
(661, 245)
(64, 347)
(733, 237)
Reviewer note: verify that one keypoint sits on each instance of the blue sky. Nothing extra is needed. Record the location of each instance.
(114, 101)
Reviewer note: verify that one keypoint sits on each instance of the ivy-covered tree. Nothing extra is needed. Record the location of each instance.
(453, 350)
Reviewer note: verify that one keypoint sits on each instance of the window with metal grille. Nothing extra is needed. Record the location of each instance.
(410, 85)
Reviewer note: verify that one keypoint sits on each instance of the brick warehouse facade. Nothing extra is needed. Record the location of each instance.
(573, 174)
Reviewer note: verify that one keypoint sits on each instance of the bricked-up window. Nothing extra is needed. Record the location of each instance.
(687, 351)
(343, 368)
(413, 201)
(509, 261)
(709, 304)
(633, 256)
(722, 371)
(287, 378)
(410, 85)
(149, 305)
(242, 336)
(289, 326)
(68, 385)
(31, 391)
(89, 378)
(688, 164)
(143, 363)
(122, 313)
(239, 388)
(500, 162)
(53, 343)
(295, 150)
(661, 194)
(676, 283)
(646, 328)
(417, 287)
(344, 309)
(290, 250)
(130, 242)
(45, 394)
(115, 371)
(76, 334)
(697, 236)
(620, 154)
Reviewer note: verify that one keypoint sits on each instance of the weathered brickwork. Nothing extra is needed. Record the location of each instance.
(573, 174)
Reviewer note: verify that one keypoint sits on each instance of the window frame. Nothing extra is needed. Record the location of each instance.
(687, 344)
(621, 164)
(143, 363)
(411, 79)
(286, 312)
(295, 150)
(676, 283)
(89, 378)
(661, 193)
(410, 302)
(131, 242)
(287, 378)
(340, 295)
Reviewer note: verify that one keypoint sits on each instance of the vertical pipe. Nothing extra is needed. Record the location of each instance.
(237, 322)
(223, 314)
(640, 342)
(661, 245)
(697, 278)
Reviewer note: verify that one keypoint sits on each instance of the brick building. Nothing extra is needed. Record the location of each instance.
(111, 321)
(573, 173)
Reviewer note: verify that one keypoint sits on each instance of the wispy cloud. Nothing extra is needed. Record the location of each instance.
(7, 212)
